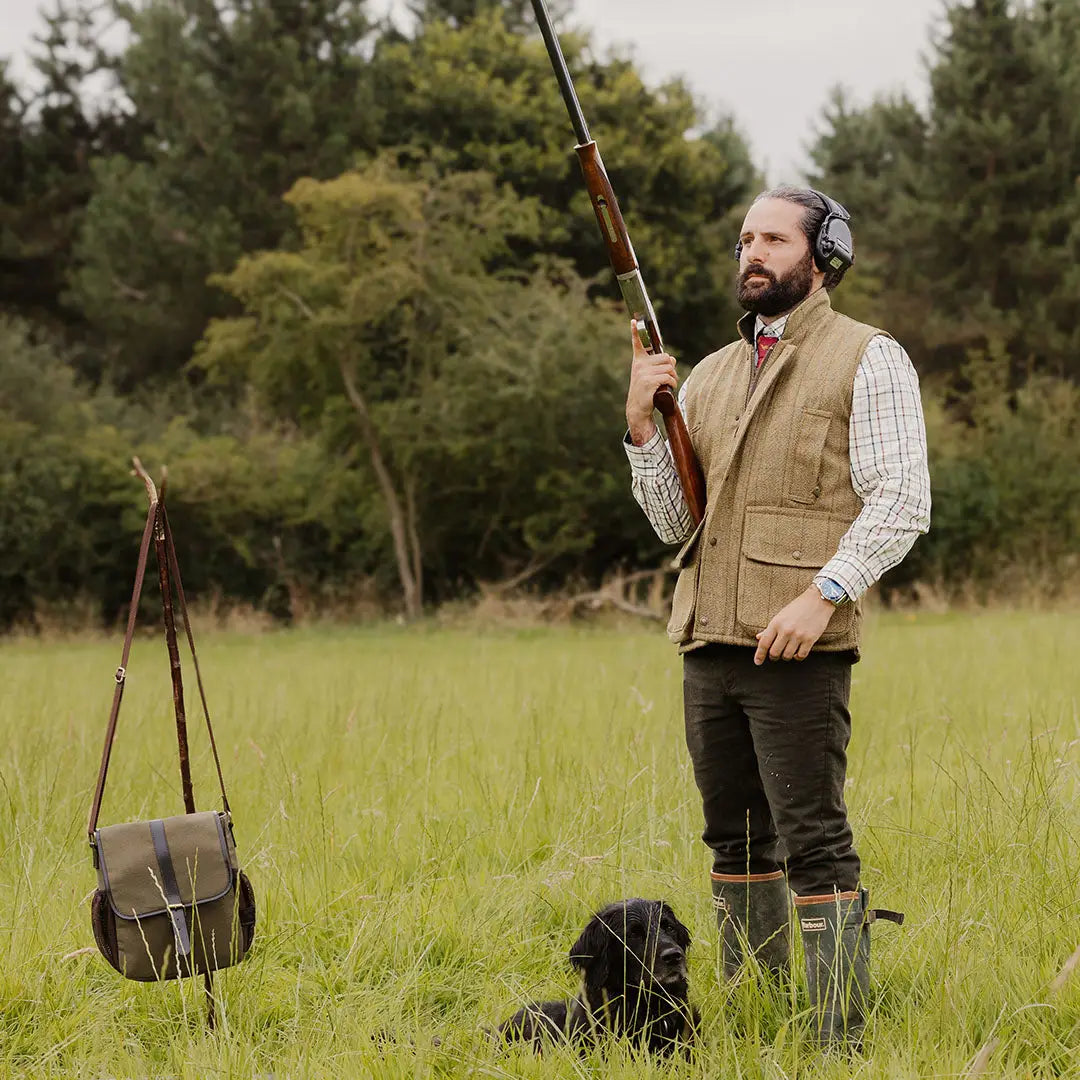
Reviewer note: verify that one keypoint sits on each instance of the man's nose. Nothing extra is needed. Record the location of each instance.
(754, 253)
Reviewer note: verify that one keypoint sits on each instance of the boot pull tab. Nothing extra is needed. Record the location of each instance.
(873, 914)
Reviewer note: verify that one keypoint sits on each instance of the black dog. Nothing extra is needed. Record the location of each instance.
(632, 956)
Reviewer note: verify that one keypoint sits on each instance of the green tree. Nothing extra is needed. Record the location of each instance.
(873, 159)
(515, 13)
(988, 139)
(12, 172)
(482, 96)
(1006, 481)
(386, 266)
(63, 490)
(238, 100)
(967, 216)
(49, 133)
(262, 514)
(485, 403)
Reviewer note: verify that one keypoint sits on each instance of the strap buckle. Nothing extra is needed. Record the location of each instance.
(871, 915)
(121, 675)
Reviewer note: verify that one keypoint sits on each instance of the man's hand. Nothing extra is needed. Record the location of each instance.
(794, 629)
(647, 374)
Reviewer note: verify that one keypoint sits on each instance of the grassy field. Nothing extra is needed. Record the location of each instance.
(429, 817)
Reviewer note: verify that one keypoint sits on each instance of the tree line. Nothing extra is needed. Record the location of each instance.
(344, 278)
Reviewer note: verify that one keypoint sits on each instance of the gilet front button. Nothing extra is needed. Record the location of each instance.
(704, 620)
(796, 554)
(712, 542)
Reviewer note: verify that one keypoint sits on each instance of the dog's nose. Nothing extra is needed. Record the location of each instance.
(671, 956)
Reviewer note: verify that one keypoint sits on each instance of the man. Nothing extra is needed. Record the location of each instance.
(810, 432)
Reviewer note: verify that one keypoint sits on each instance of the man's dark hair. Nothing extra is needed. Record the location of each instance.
(812, 218)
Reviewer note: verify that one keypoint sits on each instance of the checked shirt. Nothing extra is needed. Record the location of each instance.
(887, 440)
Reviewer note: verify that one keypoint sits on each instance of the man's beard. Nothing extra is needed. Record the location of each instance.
(781, 294)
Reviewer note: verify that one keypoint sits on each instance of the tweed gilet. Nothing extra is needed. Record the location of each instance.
(773, 443)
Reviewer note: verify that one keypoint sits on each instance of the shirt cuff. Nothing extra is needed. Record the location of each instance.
(647, 456)
(850, 572)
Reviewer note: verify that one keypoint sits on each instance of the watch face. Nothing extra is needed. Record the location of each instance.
(832, 591)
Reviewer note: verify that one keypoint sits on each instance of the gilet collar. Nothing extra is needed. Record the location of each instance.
(814, 307)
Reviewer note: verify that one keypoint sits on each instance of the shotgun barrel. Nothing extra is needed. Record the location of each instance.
(627, 272)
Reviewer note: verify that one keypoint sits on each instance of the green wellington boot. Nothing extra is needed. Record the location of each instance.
(753, 911)
(836, 942)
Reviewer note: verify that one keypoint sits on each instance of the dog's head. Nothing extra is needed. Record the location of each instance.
(634, 944)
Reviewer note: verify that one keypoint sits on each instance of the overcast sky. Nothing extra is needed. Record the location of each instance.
(770, 63)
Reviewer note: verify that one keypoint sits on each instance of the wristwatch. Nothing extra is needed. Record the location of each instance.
(832, 591)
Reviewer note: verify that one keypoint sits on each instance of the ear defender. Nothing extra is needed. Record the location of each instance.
(834, 248)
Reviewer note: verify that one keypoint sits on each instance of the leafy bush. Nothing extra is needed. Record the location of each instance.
(1005, 473)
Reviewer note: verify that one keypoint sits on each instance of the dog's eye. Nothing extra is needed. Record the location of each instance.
(669, 922)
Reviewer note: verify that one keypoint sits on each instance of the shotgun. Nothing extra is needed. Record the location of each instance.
(627, 272)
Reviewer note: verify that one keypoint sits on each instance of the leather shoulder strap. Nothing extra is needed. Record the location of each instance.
(158, 529)
(121, 671)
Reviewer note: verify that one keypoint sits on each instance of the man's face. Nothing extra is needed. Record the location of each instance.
(776, 267)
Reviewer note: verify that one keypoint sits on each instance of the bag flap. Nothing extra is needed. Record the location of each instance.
(200, 850)
(785, 536)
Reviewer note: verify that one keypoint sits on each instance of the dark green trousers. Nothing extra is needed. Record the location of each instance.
(769, 747)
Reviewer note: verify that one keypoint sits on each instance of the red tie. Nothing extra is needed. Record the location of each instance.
(764, 344)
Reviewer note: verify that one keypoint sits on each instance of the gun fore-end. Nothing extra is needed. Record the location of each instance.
(606, 207)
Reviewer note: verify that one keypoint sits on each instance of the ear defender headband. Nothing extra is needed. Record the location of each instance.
(833, 247)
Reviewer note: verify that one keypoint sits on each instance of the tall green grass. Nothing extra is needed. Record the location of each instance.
(429, 817)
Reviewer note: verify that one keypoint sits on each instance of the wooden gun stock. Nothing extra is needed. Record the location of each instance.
(691, 478)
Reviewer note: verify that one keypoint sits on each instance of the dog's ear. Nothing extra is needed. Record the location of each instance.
(681, 934)
(590, 953)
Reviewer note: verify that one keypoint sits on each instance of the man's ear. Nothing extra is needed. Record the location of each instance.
(589, 954)
(681, 934)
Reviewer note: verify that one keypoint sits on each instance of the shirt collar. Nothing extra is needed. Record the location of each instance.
(773, 329)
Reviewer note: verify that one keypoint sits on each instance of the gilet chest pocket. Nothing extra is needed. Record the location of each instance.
(803, 484)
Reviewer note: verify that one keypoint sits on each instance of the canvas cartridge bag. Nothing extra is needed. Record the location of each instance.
(171, 900)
